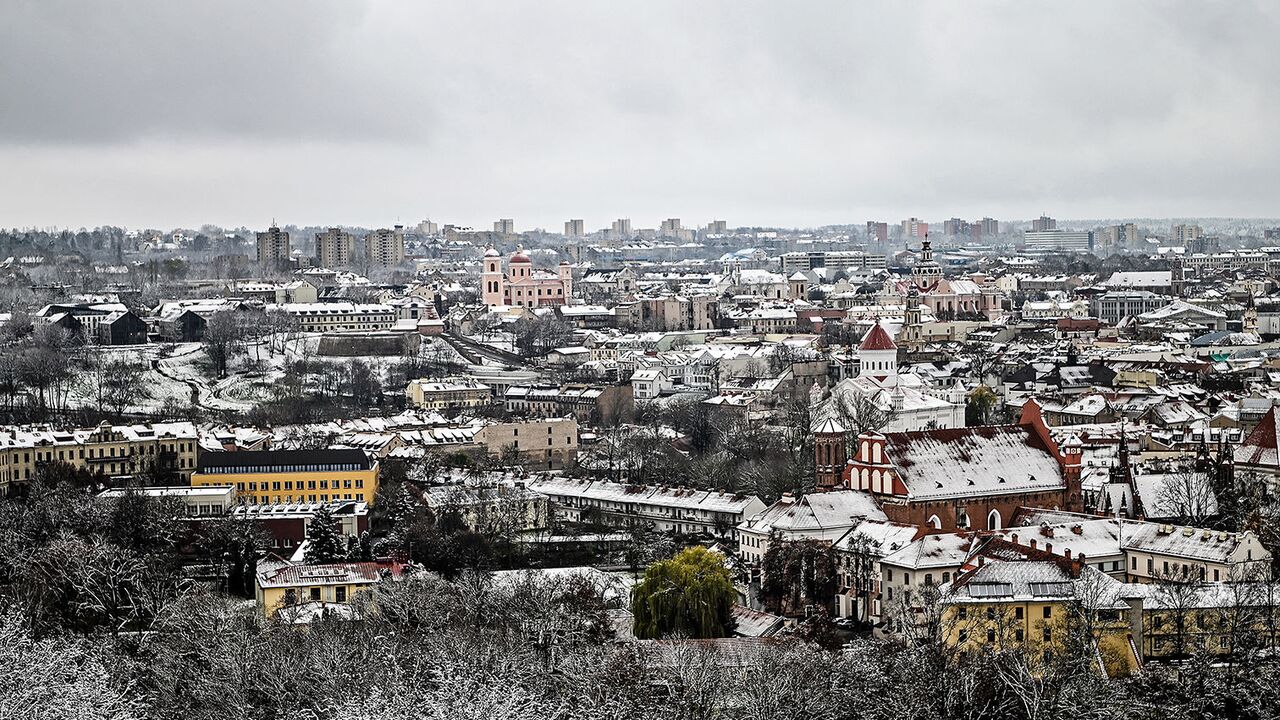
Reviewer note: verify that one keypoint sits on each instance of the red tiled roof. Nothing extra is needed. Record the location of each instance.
(1262, 446)
(877, 339)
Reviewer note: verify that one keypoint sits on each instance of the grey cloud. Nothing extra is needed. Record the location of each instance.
(159, 112)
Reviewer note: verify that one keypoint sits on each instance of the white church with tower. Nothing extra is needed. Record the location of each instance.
(907, 402)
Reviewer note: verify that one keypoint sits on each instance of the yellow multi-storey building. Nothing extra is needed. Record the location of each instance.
(1043, 608)
(113, 450)
(291, 476)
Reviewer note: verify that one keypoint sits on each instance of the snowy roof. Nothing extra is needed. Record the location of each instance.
(932, 551)
(1133, 279)
(877, 339)
(881, 536)
(1187, 542)
(285, 575)
(975, 461)
(1082, 535)
(709, 500)
(1260, 448)
(1180, 307)
(818, 511)
(1023, 580)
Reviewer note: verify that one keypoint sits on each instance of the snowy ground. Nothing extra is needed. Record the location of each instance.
(183, 373)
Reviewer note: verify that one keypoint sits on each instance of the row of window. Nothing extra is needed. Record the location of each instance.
(1018, 635)
(289, 485)
(257, 469)
(289, 499)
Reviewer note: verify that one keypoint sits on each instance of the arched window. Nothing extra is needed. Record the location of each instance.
(866, 454)
(875, 453)
(962, 519)
(935, 522)
(993, 520)
(875, 482)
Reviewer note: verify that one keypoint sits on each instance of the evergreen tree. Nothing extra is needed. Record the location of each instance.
(324, 543)
(690, 595)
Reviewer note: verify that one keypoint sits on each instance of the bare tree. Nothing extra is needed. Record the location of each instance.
(1187, 495)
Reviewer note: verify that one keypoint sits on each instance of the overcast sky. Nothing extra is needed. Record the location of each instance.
(162, 113)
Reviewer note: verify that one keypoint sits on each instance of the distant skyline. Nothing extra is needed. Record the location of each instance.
(170, 114)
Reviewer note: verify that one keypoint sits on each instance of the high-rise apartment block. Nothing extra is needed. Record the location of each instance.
(1185, 235)
(671, 226)
(956, 228)
(717, 227)
(1043, 223)
(574, 228)
(385, 247)
(988, 227)
(273, 247)
(506, 226)
(877, 232)
(622, 227)
(334, 247)
(914, 228)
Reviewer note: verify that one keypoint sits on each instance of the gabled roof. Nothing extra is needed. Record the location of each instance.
(1261, 448)
(974, 461)
(877, 339)
(817, 512)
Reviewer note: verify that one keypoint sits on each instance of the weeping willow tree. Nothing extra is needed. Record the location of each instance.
(690, 595)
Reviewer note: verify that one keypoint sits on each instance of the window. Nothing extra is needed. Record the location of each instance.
(991, 612)
(1048, 611)
(964, 636)
(1048, 633)
(991, 636)
(315, 593)
(1017, 613)
(340, 593)
(963, 613)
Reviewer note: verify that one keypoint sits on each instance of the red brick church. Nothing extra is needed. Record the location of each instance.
(972, 478)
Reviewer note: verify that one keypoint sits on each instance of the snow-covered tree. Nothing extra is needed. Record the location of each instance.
(324, 543)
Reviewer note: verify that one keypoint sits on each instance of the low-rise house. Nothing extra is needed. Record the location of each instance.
(294, 592)
(501, 508)
(1158, 552)
(112, 450)
(817, 516)
(335, 316)
(910, 579)
(650, 383)
(592, 404)
(448, 394)
(212, 501)
(858, 554)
